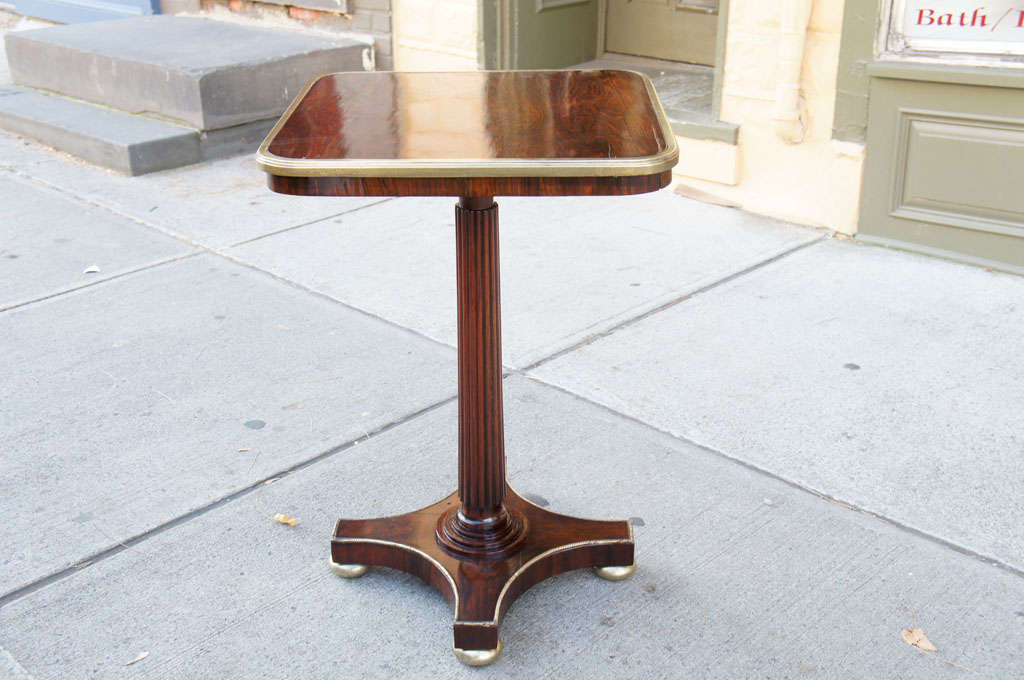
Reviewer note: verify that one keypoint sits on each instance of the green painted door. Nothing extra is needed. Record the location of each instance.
(676, 30)
(521, 34)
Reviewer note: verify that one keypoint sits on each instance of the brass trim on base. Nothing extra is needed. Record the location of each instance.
(615, 573)
(349, 570)
(403, 546)
(478, 657)
(554, 551)
(518, 572)
(484, 167)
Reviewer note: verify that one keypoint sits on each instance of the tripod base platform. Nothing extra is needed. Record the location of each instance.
(481, 588)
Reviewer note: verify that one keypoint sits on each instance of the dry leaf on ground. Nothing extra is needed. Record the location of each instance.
(285, 519)
(917, 638)
(137, 659)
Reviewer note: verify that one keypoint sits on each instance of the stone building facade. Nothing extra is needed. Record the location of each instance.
(891, 120)
(814, 181)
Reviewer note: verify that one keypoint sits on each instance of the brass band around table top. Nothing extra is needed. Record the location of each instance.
(598, 123)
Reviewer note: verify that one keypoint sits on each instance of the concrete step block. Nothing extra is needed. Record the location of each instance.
(238, 139)
(206, 74)
(113, 139)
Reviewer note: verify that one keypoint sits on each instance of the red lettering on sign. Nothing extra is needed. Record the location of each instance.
(1020, 19)
(927, 17)
(975, 17)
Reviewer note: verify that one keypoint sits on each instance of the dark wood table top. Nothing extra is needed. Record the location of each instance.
(472, 133)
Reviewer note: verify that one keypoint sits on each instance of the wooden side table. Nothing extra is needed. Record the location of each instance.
(476, 135)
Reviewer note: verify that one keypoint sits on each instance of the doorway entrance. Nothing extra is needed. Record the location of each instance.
(678, 43)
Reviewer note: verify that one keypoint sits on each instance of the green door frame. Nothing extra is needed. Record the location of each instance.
(856, 51)
(529, 34)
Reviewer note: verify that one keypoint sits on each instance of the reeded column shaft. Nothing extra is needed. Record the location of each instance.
(481, 429)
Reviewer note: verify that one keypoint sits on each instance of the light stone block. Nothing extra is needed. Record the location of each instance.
(708, 160)
(754, 15)
(751, 62)
(821, 64)
(431, 35)
(827, 16)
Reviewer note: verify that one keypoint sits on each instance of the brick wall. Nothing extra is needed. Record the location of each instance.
(369, 18)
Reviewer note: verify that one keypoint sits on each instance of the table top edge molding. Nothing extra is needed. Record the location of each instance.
(467, 168)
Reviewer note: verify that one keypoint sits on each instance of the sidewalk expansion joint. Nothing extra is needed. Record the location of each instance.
(305, 224)
(128, 543)
(672, 303)
(165, 232)
(90, 284)
(508, 369)
(200, 248)
(333, 300)
(88, 201)
(898, 525)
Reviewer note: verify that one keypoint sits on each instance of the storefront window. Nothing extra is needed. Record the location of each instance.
(956, 27)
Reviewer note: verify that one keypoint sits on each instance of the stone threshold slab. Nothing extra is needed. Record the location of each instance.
(204, 73)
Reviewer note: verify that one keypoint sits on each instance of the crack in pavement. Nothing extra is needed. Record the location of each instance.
(220, 252)
(987, 559)
(129, 543)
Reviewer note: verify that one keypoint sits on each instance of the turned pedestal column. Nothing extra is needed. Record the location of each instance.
(481, 526)
(488, 543)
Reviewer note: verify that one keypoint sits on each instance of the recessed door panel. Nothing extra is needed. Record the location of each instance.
(676, 30)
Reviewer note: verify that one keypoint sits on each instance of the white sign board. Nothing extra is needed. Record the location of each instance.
(992, 27)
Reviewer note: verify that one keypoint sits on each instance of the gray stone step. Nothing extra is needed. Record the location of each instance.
(114, 139)
(203, 73)
(130, 144)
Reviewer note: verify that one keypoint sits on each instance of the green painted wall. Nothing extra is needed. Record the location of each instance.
(860, 24)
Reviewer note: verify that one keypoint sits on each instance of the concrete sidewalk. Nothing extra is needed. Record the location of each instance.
(818, 441)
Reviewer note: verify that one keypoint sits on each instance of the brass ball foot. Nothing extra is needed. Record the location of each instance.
(478, 657)
(615, 573)
(349, 570)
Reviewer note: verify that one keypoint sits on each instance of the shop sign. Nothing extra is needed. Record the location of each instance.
(993, 27)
